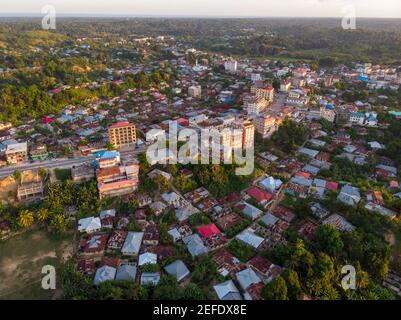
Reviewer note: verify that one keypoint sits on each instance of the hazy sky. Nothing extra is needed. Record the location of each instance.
(267, 8)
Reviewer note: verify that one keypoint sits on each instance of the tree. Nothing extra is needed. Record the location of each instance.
(60, 222)
(42, 214)
(25, 219)
(294, 286)
(328, 239)
(205, 270)
(17, 176)
(42, 173)
(275, 290)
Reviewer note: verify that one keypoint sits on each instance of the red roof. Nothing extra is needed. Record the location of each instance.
(208, 231)
(259, 195)
(120, 125)
(331, 185)
(305, 175)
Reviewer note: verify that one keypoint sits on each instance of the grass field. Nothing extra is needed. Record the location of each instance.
(22, 259)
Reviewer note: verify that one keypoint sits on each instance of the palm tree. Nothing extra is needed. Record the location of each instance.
(42, 214)
(25, 219)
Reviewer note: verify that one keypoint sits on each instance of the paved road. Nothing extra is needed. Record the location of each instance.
(64, 163)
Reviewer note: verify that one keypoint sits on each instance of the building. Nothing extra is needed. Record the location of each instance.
(195, 91)
(357, 118)
(39, 153)
(266, 93)
(328, 113)
(16, 152)
(297, 97)
(132, 244)
(266, 125)
(82, 173)
(285, 86)
(122, 134)
(231, 65)
(255, 106)
(248, 135)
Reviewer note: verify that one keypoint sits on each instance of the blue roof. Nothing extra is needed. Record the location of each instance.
(106, 154)
(329, 106)
(363, 78)
(229, 100)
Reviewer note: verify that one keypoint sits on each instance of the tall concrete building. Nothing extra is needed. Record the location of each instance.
(195, 91)
(122, 134)
(266, 93)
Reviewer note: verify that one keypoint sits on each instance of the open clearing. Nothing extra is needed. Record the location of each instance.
(22, 259)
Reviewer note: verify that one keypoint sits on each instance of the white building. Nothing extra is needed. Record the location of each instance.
(231, 65)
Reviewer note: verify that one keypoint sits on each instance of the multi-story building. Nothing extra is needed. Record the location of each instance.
(195, 91)
(297, 97)
(357, 118)
(119, 180)
(255, 106)
(327, 112)
(122, 134)
(266, 93)
(266, 125)
(39, 153)
(30, 190)
(231, 65)
(248, 135)
(285, 86)
(16, 153)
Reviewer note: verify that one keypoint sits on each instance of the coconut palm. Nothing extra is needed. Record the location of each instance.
(42, 214)
(25, 219)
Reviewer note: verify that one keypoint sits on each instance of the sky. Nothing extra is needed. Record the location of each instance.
(236, 8)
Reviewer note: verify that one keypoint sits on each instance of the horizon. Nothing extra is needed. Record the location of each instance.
(390, 9)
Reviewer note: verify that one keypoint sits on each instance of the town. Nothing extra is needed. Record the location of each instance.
(324, 191)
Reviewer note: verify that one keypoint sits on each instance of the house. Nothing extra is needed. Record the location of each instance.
(171, 198)
(339, 222)
(117, 239)
(374, 207)
(227, 221)
(247, 277)
(150, 278)
(269, 220)
(132, 244)
(151, 235)
(308, 152)
(177, 269)
(264, 267)
(95, 245)
(147, 258)
(89, 225)
(271, 184)
(111, 213)
(227, 291)
(249, 210)
(195, 245)
(208, 231)
(175, 234)
(105, 273)
(349, 195)
(86, 266)
(250, 238)
(262, 197)
(126, 272)
(357, 118)
(157, 207)
(227, 264)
